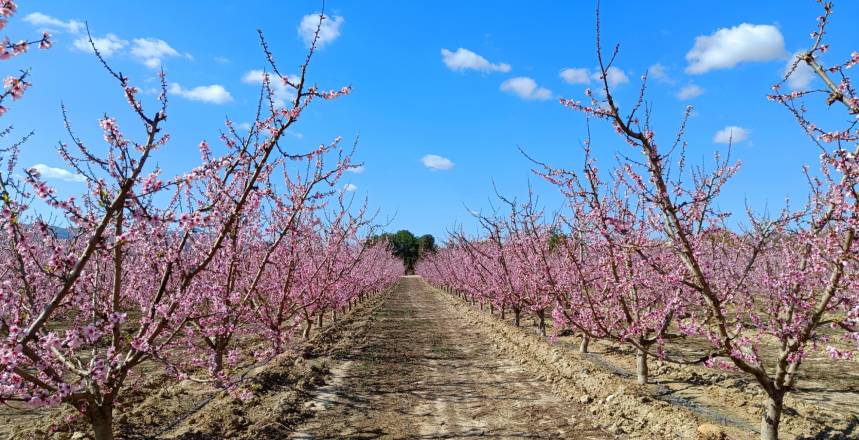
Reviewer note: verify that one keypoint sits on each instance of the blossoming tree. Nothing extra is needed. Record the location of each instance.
(79, 313)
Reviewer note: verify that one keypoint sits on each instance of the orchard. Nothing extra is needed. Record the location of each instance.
(624, 294)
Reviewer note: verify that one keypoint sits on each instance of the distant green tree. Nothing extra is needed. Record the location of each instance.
(407, 247)
(426, 244)
(557, 238)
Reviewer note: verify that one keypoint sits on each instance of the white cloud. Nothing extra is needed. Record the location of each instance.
(349, 187)
(356, 169)
(282, 92)
(221, 60)
(659, 73)
(151, 51)
(436, 162)
(731, 134)
(50, 23)
(802, 76)
(728, 47)
(213, 94)
(106, 45)
(464, 59)
(254, 76)
(690, 91)
(614, 76)
(328, 31)
(576, 75)
(526, 88)
(57, 173)
(246, 126)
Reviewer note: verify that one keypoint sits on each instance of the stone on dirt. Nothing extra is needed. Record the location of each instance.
(709, 431)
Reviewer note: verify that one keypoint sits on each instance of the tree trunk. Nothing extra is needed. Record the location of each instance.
(319, 319)
(481, 306)
(641, 366)
(503, 312)
(583, 346)
(334, 315)
(101, 419)
(542, 327)
(772, 415)
(308, 325)
(516, 313)
(491, 309)
(219, 360)
(278, 344)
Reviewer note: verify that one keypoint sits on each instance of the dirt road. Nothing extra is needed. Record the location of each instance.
(423, 373)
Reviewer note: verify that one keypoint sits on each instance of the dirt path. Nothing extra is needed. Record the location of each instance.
(423, 373)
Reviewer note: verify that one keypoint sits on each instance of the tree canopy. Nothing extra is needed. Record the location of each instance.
(407, 247)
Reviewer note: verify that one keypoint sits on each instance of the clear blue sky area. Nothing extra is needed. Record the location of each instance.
(445, 91)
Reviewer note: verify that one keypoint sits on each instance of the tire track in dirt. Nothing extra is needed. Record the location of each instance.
(422, 372)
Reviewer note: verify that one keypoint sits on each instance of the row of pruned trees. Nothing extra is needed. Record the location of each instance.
(204, 272)
(644, 256)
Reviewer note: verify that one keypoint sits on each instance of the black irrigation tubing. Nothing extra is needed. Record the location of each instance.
(21, 412)
(663, 393)
(197, 407)
(205, 401)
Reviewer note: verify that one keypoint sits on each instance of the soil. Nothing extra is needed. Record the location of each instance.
(825, 405)
(424, 372)
(416, 362)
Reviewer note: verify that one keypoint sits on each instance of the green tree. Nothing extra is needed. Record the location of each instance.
(404, 245)
(426, 244)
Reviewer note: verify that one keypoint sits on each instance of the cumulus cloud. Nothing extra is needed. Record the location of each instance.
(802, 75)
(282, 92)
(106, 45)
(581, 75)
(464, 59)
(526, 88)
(329, 30)
(212, 94)
(436, 162)
(614, 76)
(690, 91)
(350, 187)
(576, 75)
(254, 76)
(659, 72)
(151, 51)
(731, 135)
(47, 22)
(57, 173)
(728, 47)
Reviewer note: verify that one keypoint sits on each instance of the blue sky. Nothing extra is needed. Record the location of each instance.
(416, 93)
